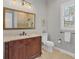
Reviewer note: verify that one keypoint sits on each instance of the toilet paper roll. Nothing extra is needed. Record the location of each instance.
(59, 41)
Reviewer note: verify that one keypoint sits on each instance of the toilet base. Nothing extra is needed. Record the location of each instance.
(48, 48)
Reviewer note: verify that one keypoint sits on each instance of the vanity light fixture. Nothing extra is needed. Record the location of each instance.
(26, 4)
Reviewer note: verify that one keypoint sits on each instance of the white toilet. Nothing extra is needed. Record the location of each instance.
(48, 45)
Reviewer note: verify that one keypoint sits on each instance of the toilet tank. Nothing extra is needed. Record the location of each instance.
(44, 37)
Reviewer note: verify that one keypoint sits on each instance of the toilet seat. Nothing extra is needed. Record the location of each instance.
(49, 43)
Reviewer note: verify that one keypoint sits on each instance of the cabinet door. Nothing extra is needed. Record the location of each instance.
(6, 50)
(17, 50)
(26, 49)
(34, 47)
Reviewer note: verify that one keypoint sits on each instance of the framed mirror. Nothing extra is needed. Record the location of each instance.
(16, 19)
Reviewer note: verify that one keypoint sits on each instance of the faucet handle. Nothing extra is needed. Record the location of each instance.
(24, 33)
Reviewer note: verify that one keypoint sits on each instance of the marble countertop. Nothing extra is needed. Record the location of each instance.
(18, 37)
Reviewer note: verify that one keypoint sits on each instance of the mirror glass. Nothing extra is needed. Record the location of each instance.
(16, 19)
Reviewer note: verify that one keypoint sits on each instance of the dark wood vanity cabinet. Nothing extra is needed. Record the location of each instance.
(28, 48)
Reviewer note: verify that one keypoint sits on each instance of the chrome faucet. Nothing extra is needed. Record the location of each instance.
(23, 33)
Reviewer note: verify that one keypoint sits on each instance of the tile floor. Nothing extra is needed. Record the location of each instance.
(56, 54)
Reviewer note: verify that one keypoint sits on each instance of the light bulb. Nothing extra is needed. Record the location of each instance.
(14, 1)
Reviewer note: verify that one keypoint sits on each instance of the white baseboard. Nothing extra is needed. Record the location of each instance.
(64, 51)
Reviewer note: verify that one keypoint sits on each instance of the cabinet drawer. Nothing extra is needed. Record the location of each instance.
(34, 39)
(18, 42)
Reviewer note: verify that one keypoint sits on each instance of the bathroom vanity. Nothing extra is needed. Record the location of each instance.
(22, 48)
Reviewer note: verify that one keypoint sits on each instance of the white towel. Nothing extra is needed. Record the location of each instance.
(67, 36)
